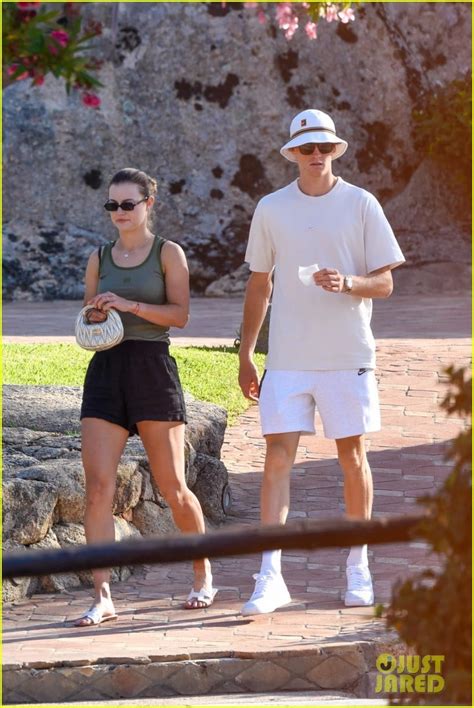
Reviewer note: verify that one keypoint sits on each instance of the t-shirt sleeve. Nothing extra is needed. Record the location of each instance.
(260, 254)
(381, 246)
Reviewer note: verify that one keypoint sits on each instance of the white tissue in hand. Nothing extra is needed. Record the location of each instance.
(305, 273)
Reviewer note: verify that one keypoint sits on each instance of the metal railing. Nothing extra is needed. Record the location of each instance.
(235, 541)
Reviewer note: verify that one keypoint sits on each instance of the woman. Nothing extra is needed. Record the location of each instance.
(134, 387)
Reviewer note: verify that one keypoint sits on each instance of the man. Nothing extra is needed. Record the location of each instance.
(321, 348)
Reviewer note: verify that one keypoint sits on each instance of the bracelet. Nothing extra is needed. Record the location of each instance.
(136, 309)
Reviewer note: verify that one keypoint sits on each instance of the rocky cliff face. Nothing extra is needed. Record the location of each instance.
(201, 97)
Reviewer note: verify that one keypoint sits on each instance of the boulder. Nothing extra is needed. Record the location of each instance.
(147, 493)
(44, 485)
(52, 409)
(212, 487)
(128, 487)
(70, 534)
(13, 461)
(151, 520)
(28, 508)
(74, 535)
(124, 529)
(15, 589)
(230, 285)
(58, 582)
(66, 478)
(206, 426)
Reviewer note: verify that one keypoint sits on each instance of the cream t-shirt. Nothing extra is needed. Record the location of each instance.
(311, 329)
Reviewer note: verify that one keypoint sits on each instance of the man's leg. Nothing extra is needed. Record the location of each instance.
(270, 590)
(358, 496)
(358, 489)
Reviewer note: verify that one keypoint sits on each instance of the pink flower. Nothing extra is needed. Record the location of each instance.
(311, 30)
(13, 68)
(287, 19)
(38, 80)
(331, 13)
(293, 26)
(61, 37)
(90, 99)
(260, 13)
(346, 15)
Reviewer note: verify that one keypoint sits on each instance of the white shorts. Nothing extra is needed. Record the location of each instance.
(347, 402)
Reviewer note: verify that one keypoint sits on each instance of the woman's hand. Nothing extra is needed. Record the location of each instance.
(107, 301)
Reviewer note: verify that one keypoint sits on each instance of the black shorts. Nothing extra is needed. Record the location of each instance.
(134, 381)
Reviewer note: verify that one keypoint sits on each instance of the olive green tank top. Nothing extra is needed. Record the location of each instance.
(143, 283)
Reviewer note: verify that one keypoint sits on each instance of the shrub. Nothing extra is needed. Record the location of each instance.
(432, 612)
(38, 41)
(443, 132)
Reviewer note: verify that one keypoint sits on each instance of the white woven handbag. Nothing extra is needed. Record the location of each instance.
(97, 336)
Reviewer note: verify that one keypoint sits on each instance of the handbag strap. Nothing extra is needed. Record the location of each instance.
(88, 313)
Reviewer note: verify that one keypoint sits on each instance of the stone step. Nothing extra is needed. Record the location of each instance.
(347, 668)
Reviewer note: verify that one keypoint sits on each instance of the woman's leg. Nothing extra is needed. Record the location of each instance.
(164, 444)
(102, 447)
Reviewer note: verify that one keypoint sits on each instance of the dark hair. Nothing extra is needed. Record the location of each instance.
(146, 184)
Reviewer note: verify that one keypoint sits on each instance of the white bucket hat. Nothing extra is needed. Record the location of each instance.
(312, 126)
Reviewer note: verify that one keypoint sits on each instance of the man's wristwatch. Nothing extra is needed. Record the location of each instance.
(347, 284)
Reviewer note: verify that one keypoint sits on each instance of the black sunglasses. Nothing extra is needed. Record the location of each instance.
(127, 205)
(324, 148)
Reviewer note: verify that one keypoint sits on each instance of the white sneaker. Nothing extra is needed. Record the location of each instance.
(359, 587)
(269, 594)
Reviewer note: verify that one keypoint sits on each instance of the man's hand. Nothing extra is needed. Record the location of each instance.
(248, 379)
(378, 283)
(329, 279)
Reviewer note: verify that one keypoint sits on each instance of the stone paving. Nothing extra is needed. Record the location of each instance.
(157, 649)
(215, 321)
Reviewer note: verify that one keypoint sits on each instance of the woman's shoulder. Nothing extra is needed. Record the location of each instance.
(97, 254)
(171, 253)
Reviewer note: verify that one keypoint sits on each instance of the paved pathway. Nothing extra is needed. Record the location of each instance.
(407, 460)
(216, 321)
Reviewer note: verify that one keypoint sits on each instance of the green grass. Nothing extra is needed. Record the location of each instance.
(209, 374)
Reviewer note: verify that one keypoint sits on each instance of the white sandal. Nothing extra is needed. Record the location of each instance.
(205, 595)
(96, 616)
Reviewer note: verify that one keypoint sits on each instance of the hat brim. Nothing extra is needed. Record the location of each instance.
(314, 137)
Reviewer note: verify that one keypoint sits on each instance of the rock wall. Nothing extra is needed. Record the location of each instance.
(43, 479)
(201, 97)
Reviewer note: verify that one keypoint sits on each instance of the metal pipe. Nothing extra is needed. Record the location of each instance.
(233, 541)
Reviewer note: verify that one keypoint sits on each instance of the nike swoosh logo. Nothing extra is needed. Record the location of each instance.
(362, 371)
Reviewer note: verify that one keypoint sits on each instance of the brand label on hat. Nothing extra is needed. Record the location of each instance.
(303, 122)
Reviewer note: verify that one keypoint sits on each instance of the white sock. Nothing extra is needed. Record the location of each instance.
(271, 562)
(358, 556)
